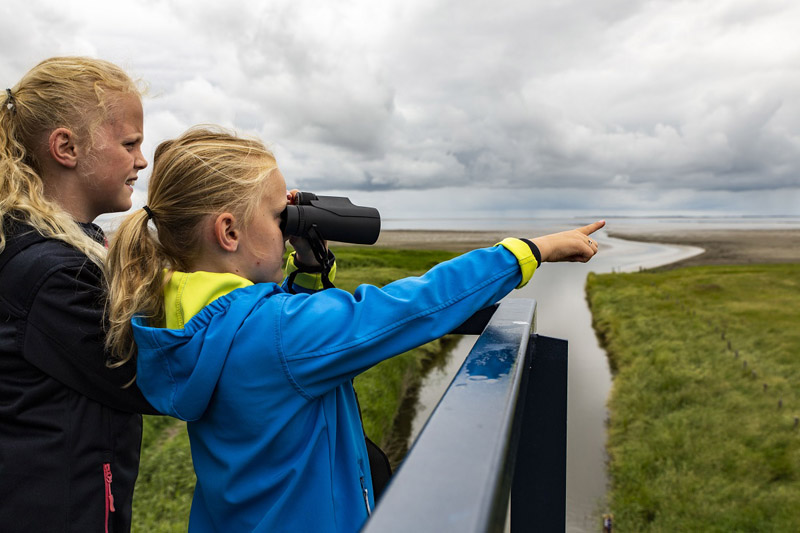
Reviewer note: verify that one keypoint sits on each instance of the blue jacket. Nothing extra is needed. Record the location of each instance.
(263, 379)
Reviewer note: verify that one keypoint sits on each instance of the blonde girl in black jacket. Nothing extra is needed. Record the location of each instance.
(70, 430)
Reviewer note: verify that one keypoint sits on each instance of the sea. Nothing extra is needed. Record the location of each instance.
(643, 224)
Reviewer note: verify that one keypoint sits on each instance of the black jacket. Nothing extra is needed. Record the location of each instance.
(67, 425)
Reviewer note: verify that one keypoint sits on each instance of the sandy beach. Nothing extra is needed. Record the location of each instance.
(723, 247)
(729, 247)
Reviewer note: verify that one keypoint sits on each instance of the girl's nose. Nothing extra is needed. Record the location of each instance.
(141, 162)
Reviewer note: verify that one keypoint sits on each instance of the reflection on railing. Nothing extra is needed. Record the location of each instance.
(498, 433)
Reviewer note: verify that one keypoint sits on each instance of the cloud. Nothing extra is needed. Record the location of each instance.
(653, 98)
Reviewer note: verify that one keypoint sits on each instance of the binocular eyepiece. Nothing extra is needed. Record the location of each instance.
(334, 218)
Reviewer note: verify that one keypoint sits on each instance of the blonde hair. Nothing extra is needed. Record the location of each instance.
(71, 92)
(203, 172)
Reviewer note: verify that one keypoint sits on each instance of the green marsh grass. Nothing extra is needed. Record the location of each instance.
(163, 494)
(703, 432)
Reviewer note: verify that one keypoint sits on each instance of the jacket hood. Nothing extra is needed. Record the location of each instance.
(178, 369)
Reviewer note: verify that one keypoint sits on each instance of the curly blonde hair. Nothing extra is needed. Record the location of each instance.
(70, 92)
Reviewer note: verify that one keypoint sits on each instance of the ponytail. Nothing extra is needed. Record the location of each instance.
(22, 197)
(134, 270)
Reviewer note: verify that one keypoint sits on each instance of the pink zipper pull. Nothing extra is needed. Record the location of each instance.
(107, 472)
(109, 496)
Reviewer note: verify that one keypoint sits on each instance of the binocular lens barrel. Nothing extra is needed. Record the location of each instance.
(334, 218)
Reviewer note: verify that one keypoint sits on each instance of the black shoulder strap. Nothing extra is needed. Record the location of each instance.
(324, 257)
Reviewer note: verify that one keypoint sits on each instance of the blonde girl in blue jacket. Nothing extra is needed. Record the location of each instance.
(263, 376)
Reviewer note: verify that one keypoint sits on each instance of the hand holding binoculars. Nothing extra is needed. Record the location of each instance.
(333, 218)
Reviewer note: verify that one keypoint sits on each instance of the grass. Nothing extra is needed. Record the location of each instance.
(166, 480)
(703, 431)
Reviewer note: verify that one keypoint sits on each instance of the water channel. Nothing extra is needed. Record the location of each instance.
(562, 312)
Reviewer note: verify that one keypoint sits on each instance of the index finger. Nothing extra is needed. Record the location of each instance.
(591, 228)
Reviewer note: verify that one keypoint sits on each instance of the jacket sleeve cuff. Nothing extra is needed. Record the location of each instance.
(525, 255)
(307, 280)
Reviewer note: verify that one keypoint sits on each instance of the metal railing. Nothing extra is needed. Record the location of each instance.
(499, 434)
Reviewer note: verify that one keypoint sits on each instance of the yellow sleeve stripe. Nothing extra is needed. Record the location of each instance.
(307, 281)
(525, 258)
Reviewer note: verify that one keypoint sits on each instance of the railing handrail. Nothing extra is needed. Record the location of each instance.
(458, 474)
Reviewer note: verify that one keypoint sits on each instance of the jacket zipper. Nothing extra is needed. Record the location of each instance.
(109, 496)
(366, 495)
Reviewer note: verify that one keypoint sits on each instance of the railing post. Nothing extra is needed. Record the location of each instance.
(539, 488)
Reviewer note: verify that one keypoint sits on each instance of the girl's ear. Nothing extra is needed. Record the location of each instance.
(226, 232)
(62, 148)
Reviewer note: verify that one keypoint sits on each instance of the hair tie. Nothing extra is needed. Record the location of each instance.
(149, 212)
(10, 104)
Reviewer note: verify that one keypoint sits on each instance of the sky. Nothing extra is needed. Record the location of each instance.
(445, 108)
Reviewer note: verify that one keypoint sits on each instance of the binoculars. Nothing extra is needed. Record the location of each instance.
(333, 218)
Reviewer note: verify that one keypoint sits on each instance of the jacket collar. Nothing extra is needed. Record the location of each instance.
(187, 293)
